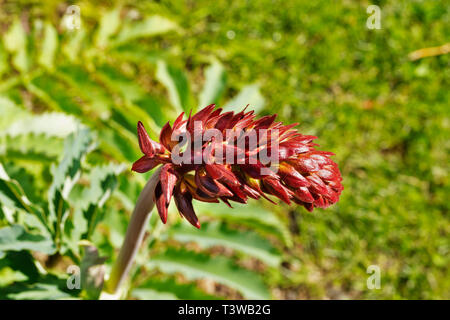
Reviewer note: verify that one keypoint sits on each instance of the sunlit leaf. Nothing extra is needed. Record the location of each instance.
(249, 95)
(176, 84)
(251, 215)
(65, 175)
(10, 112)
(150, 26)
(109, 24)
(195, 266)
(13, 196)
(215, 234)
(15, 41)
(8, 276)
(16, 238)
(102, 183)
(49, 124)
(214, 85)
(49, 46)
(72, 47)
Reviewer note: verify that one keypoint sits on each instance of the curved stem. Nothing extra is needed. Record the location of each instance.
(134, 236)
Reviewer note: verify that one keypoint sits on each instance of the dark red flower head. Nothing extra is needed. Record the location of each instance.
(215, 156)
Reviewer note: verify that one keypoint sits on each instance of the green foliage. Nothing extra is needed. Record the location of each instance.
(16, 238)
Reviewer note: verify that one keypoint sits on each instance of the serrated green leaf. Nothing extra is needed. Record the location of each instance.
(87, 203)
(12, 196)
(148, 27)
(103, 180)
(176, 84)
(49, 124)
(249, 95)
(16, 238)
(214, 86)
(220, 269)
(37, 148)
(49, 47)
(215, 234)
(65, 175)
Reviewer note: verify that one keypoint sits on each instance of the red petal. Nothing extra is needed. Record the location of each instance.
(326, 174)
(309, 206)
(278, 190)
(161, 203)
(144, 164)
(225, 200)
(304, 195)
(256, 170)
(223, 121)
(168, 180)
(184, 205)
(252, 193)
(320, 202)
(165, 136)
(235, 198)
(238, 193)
(201, 196)
(222, 173)
(317, 185)
(292, 177)
(211, 187)
(264, 122)
(178, 121)
(304, 164)
(203, 114)
(145, 141)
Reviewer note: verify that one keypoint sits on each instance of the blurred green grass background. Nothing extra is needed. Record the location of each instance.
(384, 116)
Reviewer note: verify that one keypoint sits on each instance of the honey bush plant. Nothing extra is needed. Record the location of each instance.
(72, 150)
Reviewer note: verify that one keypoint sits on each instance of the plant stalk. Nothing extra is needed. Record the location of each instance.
(134, 236)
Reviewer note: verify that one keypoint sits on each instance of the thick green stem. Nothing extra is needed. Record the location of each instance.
(133, 237)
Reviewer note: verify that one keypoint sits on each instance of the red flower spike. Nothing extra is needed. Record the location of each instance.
(305, 176)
